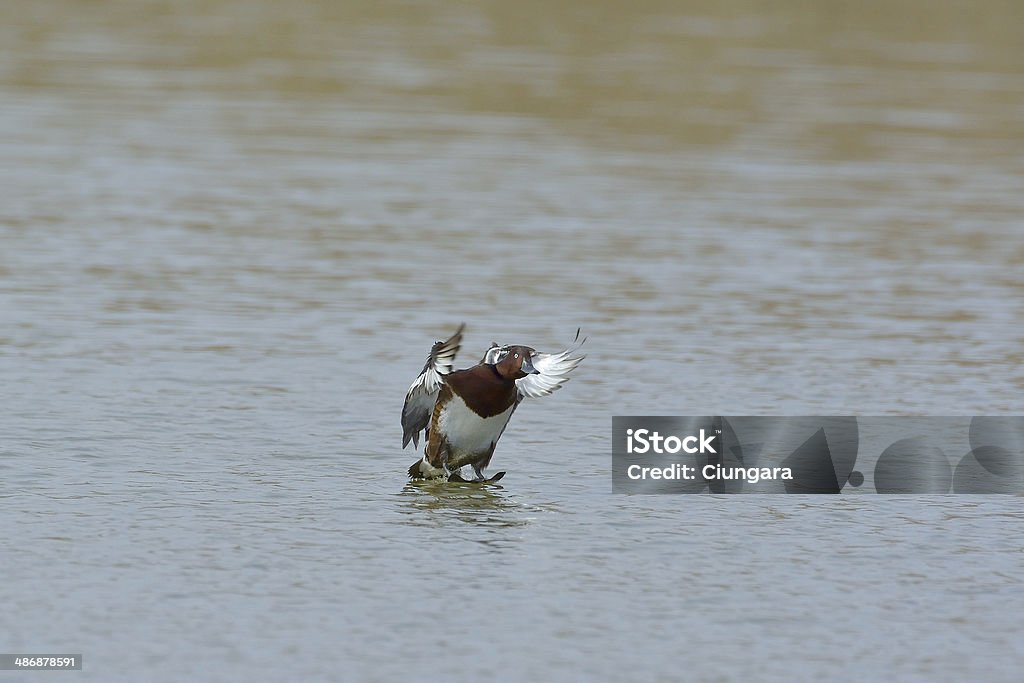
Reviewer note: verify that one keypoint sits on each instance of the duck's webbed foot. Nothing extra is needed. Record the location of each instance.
(478, 477)
(478, 473)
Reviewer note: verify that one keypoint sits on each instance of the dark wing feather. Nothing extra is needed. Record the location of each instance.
(419, 401)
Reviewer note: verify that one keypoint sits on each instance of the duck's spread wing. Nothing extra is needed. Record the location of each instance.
(419, 402)
(552, 371)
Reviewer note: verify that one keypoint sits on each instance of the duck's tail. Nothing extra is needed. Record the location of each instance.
(421, 469)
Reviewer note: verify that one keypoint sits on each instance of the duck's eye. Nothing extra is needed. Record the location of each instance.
(517, 355)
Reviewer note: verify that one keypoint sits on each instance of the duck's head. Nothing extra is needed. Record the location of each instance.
(511, 362)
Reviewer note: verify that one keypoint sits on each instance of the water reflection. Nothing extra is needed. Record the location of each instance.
(435, 503)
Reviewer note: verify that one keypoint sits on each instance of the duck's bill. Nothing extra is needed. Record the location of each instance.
(528, 366)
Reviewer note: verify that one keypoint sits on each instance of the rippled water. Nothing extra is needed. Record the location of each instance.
(230, 231)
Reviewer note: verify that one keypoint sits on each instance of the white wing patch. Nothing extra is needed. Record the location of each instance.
(552, 372)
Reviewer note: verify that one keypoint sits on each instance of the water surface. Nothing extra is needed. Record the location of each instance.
(230, 231)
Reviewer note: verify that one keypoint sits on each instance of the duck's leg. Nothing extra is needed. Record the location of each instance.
(444, 460)
(478, 471)
(480, 465)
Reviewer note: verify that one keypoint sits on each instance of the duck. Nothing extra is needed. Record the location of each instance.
(463, 413)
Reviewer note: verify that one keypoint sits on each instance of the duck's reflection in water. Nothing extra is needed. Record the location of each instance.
(435, 503)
